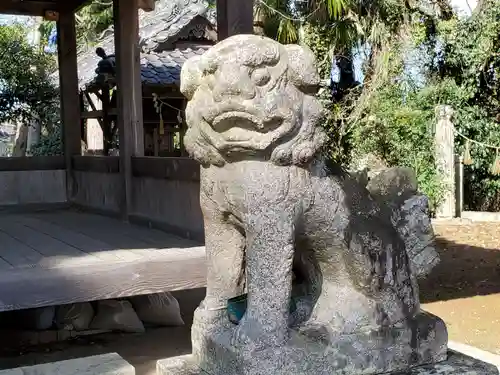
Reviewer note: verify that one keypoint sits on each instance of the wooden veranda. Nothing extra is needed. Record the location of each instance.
(78, 228)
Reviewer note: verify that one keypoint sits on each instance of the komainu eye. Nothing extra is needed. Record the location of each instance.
(261, 76)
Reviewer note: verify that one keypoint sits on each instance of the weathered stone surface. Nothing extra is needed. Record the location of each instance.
(413, 223)
(370, 163)
(444, 143)
(106, 364)
(394, 184)
(283, 226)
(317, 350)
(455, 364)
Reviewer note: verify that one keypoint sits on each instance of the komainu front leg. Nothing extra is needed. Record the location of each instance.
(225, 251)
(270, 251)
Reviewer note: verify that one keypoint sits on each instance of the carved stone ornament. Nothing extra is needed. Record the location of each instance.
(283, 227)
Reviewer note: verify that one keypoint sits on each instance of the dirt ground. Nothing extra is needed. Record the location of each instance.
(464, 290)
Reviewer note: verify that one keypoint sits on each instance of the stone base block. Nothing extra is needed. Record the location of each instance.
(107, 364)
(315, 350)
(455, 364)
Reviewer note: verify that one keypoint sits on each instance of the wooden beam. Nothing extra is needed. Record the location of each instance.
(86, 115)
(39, 7)
(98, 164)
(34, 163)
(146, 5)
(27, 8)
(178, 169)
(174, 269)
(70, 98)
(234, 17)
(129, 90)
(98, 113)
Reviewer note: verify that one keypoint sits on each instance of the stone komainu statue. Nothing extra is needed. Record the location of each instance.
(282, 226)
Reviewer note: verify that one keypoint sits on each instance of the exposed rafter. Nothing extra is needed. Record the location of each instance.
(37, 7)
(40, 7)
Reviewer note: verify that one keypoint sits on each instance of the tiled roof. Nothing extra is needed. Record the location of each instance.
(156, 30)
(168, 20)
(164, 68)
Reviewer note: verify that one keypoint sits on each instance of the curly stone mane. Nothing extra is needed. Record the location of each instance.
(251, 97)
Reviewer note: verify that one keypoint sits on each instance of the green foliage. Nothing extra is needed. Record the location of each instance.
(92, 20)
(398, 127)
(318, 38)
(471, 59)
(26, 89)
(50, 143)
(283, 19)
(393, 117)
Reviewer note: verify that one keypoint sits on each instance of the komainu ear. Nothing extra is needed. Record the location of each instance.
(190, 76)
(302, 71)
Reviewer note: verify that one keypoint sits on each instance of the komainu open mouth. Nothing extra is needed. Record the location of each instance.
(238, 126)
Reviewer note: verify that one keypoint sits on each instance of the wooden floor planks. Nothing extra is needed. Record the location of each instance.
(17, 253)
(86, 244)
(128, 247)
(67, 256)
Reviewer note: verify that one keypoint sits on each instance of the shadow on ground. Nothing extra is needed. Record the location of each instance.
(142, 350)
(464, 271)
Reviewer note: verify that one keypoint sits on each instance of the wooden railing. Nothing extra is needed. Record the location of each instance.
(34, 163)
(97, 164)
(178, 168)
(32, 181)
(165, 191)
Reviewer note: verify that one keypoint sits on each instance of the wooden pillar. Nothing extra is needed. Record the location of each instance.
(234, 17)
(129, 90)
(69, 91)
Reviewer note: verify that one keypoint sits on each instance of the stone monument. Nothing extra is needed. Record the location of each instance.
(444, 140)
(329, 267)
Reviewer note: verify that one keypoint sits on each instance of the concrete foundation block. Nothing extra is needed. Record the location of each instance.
(106, 364)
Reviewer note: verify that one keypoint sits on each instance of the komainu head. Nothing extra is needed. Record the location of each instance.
(252, 97)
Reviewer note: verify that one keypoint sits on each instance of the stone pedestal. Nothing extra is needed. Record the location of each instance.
(315, 350)
(455, 364)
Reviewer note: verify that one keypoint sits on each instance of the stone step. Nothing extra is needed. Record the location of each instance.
(456, 364)
(106, 364)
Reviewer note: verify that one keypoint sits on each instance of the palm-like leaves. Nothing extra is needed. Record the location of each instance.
(92, 20)
(336, 8)
(281, 19)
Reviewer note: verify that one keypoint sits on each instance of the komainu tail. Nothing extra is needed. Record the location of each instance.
(397, 187)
